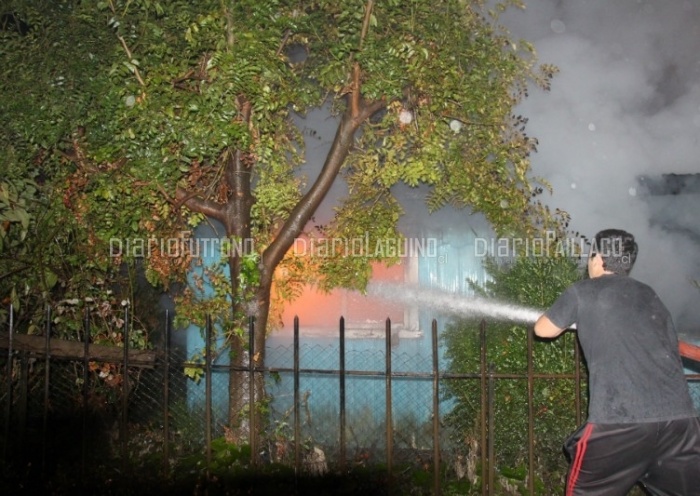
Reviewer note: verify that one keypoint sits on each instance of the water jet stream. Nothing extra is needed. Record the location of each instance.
(475, 306)
(456, 304)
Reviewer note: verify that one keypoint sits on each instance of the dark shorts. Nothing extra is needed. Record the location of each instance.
(609, 459)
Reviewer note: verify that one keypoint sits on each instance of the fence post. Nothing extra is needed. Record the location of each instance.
(8, 405)
(492, 430)
(47, 377)
(342, 394)
(124, 434)
(252, 436)
(436, 412)
(388, 408)
(297, 425)
(86, 378)
(166, 395)
(207, 391)
(23, 385)
(530, 413)
(484, 404)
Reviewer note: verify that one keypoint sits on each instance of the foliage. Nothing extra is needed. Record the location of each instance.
(131, 97)
(535, 282)
(15, 195)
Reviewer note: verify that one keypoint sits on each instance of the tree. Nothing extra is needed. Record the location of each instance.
(144, 117)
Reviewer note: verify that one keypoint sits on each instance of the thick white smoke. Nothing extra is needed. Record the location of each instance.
(625, 104)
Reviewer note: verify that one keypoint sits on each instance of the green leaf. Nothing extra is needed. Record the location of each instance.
(51, 279)
(194, 373)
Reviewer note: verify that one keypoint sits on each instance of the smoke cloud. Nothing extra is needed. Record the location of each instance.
(624, 107)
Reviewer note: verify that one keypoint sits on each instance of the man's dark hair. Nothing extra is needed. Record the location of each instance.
(618, 249)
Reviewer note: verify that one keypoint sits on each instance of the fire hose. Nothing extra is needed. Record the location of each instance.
(689, 351)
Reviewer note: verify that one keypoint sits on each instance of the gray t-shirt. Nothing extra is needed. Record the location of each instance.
(631, 349)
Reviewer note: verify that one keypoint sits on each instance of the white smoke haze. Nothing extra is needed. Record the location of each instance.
(625, 104)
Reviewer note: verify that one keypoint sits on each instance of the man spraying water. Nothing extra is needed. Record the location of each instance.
(642, 425)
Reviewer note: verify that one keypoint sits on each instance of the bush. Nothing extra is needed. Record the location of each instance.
(533, 282)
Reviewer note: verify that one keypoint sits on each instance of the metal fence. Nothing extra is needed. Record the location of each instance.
(102, 413)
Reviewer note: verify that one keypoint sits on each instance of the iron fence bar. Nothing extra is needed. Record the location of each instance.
(483, 419)
(8, 405)
(403, 375)
(501, 375)
(530, 415)
(388, 407)
(375, 373)
(297, 423)
(436, 411)
(47, 378)
(86, 378)
(124, 433)
(492, 429)
(341, 378)
(252, 436)
(395, 375)
(166, 395)
(226, 368)
(23, 385)
(207, 391)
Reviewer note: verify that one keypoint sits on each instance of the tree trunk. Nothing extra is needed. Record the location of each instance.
(240, 395)
(262, 312)
(237, 387)
(237, 224)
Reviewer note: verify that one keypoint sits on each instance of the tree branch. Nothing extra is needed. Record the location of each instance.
(232, 170)
(230, 39)
(285, 38)
(356, 90)
(14, 271)
(306, 207)
(200, 205)
(126, 49)
(128, 54)
(368, 109)
(355, 96)
(365, 21)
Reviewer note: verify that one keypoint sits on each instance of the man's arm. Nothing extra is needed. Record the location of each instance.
(545, 328)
